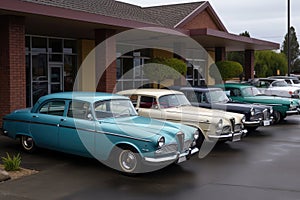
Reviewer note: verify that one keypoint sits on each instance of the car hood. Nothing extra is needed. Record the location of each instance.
(191, 112)
(270, 100)
(145, 128)
(233, 107)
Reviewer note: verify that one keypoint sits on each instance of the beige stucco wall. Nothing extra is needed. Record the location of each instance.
(87, 78)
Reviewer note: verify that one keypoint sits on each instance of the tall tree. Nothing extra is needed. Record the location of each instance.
(294, 49)
(269, 63)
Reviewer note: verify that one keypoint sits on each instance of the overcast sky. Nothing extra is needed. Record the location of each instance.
(263, 19)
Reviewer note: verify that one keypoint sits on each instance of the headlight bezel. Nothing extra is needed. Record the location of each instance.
(161, 142)
(196, 134)
(219, 125)
(252, 111)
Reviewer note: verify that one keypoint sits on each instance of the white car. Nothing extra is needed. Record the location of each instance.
(215, 125)
(276, 87)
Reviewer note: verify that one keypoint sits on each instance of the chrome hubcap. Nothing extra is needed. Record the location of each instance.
(27, 142)
(128, 160)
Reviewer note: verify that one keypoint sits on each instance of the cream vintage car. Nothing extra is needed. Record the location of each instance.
(215, 125)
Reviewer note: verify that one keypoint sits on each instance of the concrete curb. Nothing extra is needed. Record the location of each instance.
(4, 176)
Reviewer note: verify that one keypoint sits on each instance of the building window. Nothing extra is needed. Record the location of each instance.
(51, 66)
(130, 72)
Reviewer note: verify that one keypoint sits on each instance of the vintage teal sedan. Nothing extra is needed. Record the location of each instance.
(103, 126)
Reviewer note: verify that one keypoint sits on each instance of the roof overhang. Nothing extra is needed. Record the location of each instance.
(211, 39)
(51, 20)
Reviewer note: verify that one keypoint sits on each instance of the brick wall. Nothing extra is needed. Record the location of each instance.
(12, 64)
(106, 52)
(203, 20)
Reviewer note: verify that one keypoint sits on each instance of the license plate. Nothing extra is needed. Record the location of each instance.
(236, 138)
(266, 123)
(181, 159)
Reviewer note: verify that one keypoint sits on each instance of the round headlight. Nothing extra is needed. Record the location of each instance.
(161, 142)
(220, 124)
(196, 134)
(252, 111)
(243, 120)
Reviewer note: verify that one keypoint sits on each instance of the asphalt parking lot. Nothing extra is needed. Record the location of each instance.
(264, 165)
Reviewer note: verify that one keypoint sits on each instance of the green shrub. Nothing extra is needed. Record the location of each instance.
(11, 163)
(229, 69)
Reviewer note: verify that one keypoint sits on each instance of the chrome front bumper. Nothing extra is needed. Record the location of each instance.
(293, 112)
(267, 122)
(179, 157)
(233, 137)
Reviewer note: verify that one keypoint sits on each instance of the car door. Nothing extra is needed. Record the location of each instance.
(77, 129)
(45, 123)
(148, 107)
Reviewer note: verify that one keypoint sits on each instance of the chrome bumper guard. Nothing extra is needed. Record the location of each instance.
(234, 137)
(266, 122)
(179, 157)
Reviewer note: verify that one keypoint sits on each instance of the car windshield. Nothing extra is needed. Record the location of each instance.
(250, 92)
(279, 83)
(217, 96)
(173, 100)
(114, 108)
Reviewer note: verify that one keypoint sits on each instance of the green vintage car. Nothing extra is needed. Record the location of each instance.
(282, 106)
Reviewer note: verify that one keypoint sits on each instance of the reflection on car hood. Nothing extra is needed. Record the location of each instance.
(209, 114)
(143, 127)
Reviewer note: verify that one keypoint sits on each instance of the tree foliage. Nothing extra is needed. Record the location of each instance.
(228, 69)
(268, 62)
(294, 48)
(160, 69)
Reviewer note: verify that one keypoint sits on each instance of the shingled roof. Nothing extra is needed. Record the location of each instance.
(170, 15)
(166, 15)
(110, 8)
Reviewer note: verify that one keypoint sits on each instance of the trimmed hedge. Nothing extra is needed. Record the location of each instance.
(229, 69)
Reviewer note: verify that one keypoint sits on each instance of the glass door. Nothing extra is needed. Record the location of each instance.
(55, 78)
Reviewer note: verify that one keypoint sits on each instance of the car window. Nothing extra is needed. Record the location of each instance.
(114, 108)
(173, 100)
(234, 92)
(53, 108)
(192, 96)
(79, 110)
(148, 102)
(134, 99)
(279, 83)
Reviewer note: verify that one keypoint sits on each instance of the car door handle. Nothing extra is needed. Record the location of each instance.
(35, 116)
(63, 120)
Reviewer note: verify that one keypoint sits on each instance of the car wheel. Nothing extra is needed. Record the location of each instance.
(277, 117)
(27, 143)
(128, 161)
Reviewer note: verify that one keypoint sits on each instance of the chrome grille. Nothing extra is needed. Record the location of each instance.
(187, 144)
(180, 139)
(238, 127)
(170, 148)
(266, 114)
(226, 130)
(232, 121)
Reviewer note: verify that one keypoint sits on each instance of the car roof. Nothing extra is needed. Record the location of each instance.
(235, 85)
(84, 96)
(149, 91)
(205, 89)
(284, 77)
